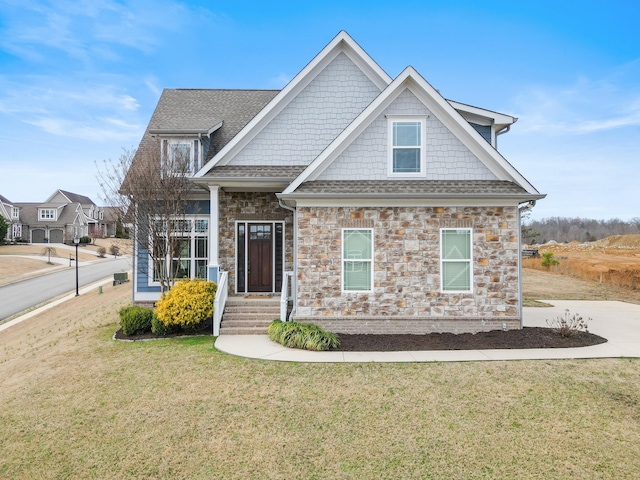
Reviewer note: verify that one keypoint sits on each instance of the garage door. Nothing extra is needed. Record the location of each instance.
(55, 236)
(37, 236)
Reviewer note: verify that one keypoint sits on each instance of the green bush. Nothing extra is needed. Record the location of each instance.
(548, 260)
(85, 240)
(135, 319)
(305, 336)
(187, 304)
(159, 328)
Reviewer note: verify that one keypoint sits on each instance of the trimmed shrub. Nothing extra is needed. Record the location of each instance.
(159, 328)
(187, 304)
(135, 319)
(306, 336)
(101, 252)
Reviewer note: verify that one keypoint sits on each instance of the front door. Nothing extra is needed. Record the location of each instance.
(260, 253)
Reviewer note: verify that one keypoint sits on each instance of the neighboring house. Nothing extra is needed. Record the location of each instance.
(390, 204)
(62, 217)
(11, 214)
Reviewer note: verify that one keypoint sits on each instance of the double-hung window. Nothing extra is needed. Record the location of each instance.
(15, 213)
(456, 259)
(357, 260)
(181, 156)
(406, 146)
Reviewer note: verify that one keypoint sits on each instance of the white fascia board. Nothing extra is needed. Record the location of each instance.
(349, 134)
(471, 139)
(498, 118)
(176, 132)
(342, 43)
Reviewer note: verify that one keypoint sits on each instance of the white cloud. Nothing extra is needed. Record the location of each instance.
(85, 29)
(88, 111)
(102, 130)
(588, 105)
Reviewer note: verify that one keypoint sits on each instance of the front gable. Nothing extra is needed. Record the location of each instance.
(454, 149)
(335, 87)
(311, 120)
(368, 157)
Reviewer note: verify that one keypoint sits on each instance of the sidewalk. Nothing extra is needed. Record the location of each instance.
(618, 322)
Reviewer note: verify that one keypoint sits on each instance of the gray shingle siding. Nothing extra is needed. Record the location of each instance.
(446, 156)
(314, 118)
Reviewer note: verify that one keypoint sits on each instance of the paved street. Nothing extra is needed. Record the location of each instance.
(20, 296)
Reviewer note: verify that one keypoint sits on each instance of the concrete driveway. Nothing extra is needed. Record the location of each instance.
(616, 321)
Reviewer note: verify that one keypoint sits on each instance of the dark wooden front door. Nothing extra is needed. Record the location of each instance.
(260, 250)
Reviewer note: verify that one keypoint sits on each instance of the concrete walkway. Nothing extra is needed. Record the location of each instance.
(618, 322)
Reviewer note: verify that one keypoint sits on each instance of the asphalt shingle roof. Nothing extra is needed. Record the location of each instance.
(411, 187)
(262, 171)
(201, 109)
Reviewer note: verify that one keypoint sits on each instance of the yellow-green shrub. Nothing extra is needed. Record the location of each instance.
(187, 303)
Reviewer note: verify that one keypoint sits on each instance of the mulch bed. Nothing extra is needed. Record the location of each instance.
(205, 328)
(528, 337)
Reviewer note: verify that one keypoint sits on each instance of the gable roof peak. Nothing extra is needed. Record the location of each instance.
(341, 43)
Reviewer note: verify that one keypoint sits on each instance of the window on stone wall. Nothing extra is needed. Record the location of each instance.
(357, 260)
(456, 261)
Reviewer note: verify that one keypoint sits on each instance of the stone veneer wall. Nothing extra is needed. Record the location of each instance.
(249, 206)
(407, 296)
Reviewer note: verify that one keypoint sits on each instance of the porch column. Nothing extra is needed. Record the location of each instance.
(214, 265)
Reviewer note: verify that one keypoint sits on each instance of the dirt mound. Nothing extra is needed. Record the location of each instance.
(619, 241)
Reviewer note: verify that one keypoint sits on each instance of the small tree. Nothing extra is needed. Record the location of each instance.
(548, 260)
(150, 189)
(4, 228)
(48, 251)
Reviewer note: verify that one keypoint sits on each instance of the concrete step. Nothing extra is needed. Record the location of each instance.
(249, 316)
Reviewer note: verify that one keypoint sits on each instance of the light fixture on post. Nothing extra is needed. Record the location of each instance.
(76, 241)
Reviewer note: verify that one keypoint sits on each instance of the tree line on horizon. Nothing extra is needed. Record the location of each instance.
(566, 229)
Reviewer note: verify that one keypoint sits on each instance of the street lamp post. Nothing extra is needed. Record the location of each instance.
(76, 240)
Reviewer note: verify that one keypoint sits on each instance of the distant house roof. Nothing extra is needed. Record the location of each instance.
(75, 198)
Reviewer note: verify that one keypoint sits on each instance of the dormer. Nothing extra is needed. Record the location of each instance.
(487, 123)
(47, 214)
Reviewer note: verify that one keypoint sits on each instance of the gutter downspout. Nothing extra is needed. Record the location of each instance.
(502, 132)
(295, 253)
(528, 206)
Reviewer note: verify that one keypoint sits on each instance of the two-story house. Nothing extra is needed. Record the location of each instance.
(62, 217)
(388, 207)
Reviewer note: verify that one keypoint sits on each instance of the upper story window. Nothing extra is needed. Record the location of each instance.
(181, 156)
(15, 213)
(406, 146)
(47, 214)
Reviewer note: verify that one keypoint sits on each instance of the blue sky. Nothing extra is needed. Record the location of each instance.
(79, 79)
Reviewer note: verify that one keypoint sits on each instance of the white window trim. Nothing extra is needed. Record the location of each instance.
(343, 259)
(41, 216)
(469, 261)
(183, 141)
(391, 119)
(15, 212)
(192, 259)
